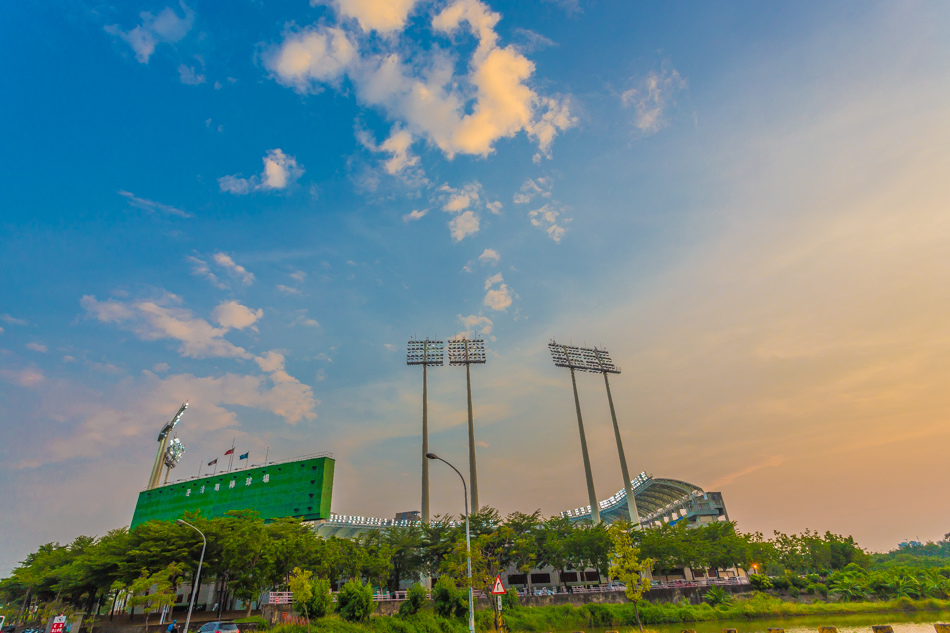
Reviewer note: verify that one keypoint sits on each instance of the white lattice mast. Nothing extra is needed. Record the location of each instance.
(163, 441)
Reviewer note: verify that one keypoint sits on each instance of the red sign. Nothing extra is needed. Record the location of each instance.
(498, 589)
(59, 622)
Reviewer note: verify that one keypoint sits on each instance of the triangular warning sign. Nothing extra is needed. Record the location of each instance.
(498, 589)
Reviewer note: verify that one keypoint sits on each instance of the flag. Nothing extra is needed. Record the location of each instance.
(229, 451)
(244, 456)
(213, 462)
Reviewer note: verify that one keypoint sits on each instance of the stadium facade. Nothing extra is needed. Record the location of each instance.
(301, 487)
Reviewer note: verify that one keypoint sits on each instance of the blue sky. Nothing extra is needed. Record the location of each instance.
(254, 208)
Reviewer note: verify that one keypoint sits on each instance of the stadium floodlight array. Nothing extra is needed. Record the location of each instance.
(163, 440)
(468, 352)
(428, 353)
(464, 351)
(425, 352)
(589, 359)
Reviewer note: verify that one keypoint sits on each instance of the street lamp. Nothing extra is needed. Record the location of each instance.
(194, 590)
(468, 543)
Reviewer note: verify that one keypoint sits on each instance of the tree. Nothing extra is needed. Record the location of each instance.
(302, 591)
(628, 567)
(154, 591)
(355, 601)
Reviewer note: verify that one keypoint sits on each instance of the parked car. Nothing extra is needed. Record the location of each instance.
(219, 627)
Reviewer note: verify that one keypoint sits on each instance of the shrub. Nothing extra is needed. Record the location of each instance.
(780, 582)
(760, 582)
(355, 601)
(716, 596)
(447, 600)
(794, 591)
(415, 600)
(321, 603)
(510, 599)
(821, 588)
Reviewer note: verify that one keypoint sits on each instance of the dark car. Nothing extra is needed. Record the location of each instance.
(219, 627)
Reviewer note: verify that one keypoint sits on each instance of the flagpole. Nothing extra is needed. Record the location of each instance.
(215, 467)
(200, 464)
(266, 454)
(231, 456)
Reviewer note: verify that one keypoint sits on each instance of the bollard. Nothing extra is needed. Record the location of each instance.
(827, 629)
(942, 627)
(780, 630)
(882, 628)
(729, 631)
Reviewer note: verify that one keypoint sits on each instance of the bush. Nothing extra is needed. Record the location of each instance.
(794, 591)
(321, 604)
(821, 588)
(355, 601)
(780, 582)
(510, 599)
(447, 600)
(760, 582)
(716, 596)
(415, 600)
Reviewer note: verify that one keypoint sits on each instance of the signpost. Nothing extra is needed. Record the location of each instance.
(59, 624)
(498, 590)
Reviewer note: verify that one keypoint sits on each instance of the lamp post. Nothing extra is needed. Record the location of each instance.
(468, 352)
(468, 543)
(196, 583)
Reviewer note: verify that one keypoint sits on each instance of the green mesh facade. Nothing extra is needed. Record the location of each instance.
(289, 489)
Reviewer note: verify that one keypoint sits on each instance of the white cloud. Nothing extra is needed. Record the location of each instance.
(166, 27)
(415, 214)
(280, 171)
(298, 275)
(23, 377)
(160, 368)
(463, 225)
(377, 15)
(531, 188)
(37, 347)
(310, 323)
(474, 322)
(464, 114)
(494, 207)
(12, 320)
(189, 76)
(547, 219)
(200, 267)
(288, 290)
(154, 320)
(233, 268)
(150, 206)
(499, 298)
(233, 315)
(652, 99)
(489, 256)
(312, 56)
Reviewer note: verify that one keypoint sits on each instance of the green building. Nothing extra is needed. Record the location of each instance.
(299, 488)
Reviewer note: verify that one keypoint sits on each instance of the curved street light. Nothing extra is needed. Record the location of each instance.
(468, 543)
(197, 580)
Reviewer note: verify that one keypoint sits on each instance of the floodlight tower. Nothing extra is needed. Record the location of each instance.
(467, 352)
(573, 358)
(173, 455)
(606, 366)
(425, 353)
(163, 439)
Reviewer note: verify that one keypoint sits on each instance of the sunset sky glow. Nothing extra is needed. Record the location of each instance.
(252, 206)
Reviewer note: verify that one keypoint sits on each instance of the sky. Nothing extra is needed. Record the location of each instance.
(253, 207)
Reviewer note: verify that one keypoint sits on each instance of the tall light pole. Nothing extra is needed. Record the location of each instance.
(564, 356)
(197, 581)
(468, 544)
(597, 361)
(469, 352)
(425, 353)
(606, 366)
